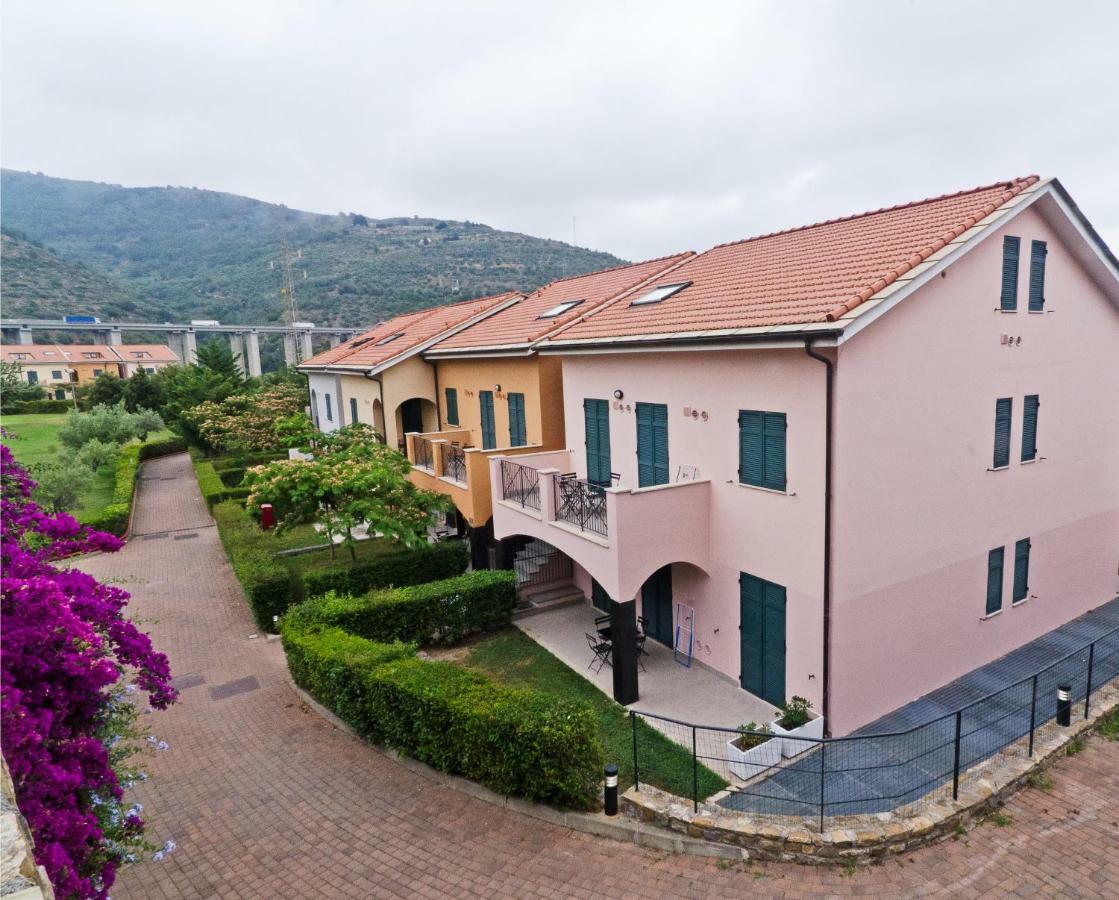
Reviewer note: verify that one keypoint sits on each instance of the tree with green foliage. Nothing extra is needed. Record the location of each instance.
(353, 480)
(61, 485)
(221, 360)
(246, 422)
(142, 391)
(96, 453)
(109, 424)
(12, 386)
(106, 390)
(297, 430)
(144, 422)
(185, 387)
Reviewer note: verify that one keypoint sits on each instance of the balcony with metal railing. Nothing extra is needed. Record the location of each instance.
(618, 533)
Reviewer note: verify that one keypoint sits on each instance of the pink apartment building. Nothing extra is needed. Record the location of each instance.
(870, 454)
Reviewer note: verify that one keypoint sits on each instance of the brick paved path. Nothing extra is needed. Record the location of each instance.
(266, 800)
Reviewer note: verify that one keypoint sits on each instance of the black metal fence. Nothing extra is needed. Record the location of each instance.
(581, 504)
(873, 773)
(454, 462)
(421, 448)
(520, 484)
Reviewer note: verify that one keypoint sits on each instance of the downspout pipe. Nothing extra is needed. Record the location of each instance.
(828, 442)
(384, 415)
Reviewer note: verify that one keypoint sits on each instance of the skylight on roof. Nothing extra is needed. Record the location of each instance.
(657, 294)
(390, 338)
(559, 309)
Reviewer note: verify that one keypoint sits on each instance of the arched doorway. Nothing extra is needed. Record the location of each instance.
(415, 414)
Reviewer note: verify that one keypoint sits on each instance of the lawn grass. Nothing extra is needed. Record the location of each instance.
(512, 657)
(33, 439)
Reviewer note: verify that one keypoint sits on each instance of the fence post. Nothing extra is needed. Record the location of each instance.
(1033, 713)
(956, 761)
(695, 775)
(823, 750)
(633, 724)
(1088, 689)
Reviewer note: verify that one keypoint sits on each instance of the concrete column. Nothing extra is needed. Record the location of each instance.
(175, 342)
(190, 347)
(290, 359)
(305, 351)
(237, 348)
(115, 338)
(252, 344)
(25, 336)
(335, 340)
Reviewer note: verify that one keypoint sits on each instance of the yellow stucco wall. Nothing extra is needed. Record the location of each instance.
(411, 378)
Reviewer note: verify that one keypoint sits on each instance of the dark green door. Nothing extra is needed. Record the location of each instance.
(652, 444)
(599, 597)
(596, 419)
(517, 420)
(763, 638)
(489, 430)
(656, 605)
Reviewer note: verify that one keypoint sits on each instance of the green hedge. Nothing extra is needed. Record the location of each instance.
(166, 447)
(440, 612)
(514, 741)
(36, 406)
(266, 581)
(431, 563)
(213, 488)
(115, 515)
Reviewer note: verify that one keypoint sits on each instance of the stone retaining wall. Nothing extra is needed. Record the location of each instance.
(20, 878)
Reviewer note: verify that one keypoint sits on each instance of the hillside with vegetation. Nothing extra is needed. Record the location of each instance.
(204, 254)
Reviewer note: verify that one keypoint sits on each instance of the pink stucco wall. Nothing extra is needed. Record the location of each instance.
(772, 535)
(916, 509)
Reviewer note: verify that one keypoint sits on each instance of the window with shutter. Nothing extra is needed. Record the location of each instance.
(1010, 248)
(1003, 414)
(652, 444)
(994, 580)
(596, 421)
(329, 411)
(1021, 570)
(1029, 427)
(761, 449)
(517, 420)
(353, 411)
(452, 406)
(1038, 252)
(489, 430)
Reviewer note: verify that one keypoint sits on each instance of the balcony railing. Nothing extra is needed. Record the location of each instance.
(454, 462)
(581, 504)
(425, 458)
(520, 484)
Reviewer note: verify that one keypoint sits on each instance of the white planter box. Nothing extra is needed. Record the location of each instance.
(787, 738)
(748, 763)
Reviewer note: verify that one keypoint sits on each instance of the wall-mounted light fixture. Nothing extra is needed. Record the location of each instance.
(618, 394)
(497, 388)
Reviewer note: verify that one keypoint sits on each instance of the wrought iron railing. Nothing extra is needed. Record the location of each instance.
(581, 504)
(538, 562)
(454, 462)
(870, 773)
(520, 484)
(425, 459)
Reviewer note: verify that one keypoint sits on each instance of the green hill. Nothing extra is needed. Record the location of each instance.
(203, 254)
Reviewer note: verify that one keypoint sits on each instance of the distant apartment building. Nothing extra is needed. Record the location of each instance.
(57, 367)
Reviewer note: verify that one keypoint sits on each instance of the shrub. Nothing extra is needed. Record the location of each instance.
(111, 424)
(95, 454)
(36, 406)
(114, 517)
(213, 488)
(267, 582)
(440, 612)
(60, 484)
(429, 563)
(154, 449)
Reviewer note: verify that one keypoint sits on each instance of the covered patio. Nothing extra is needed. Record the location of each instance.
(665, 687)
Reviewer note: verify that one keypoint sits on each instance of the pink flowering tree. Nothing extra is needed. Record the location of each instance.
(72, 667)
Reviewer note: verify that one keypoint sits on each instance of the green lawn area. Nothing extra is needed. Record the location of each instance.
(33, 439)
(513, 658)
(306, 536)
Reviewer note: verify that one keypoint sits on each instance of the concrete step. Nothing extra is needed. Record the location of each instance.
(550, 598)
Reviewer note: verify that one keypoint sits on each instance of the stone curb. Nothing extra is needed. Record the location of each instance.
(620, 828)
(868, 838)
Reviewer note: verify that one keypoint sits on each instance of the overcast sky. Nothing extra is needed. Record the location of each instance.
(657, 126)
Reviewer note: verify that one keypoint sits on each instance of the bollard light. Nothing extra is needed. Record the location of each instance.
(611, 790)
(1064, 705)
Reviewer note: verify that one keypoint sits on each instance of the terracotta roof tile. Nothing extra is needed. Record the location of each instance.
(367, 350)
(521, 323)
(813, 274)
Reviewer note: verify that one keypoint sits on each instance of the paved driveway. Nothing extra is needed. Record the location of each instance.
(266, 800)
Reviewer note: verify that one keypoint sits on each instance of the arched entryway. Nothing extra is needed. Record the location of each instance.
(416, 414)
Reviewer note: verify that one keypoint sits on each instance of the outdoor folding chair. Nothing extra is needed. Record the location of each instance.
(601, 650)
(641, 651)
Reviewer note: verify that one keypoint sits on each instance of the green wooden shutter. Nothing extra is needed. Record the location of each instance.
(353, 410)
(596, 421)
(452, 406)
(1010, 248)
(1029, 427)
(652, 444)
(994, 580)
(773, 685)
(489, 431)
(1003, 415)
(1021, 570)
(752, 627)
(1038, 252)
(751, 447)
(775, 451)
(517, 420)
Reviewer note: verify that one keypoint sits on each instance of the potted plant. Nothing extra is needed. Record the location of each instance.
(753, 751)
(797, 720)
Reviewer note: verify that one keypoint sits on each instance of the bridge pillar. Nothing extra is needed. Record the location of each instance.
(115, 337)
(25, 336)
(237, 348)
(335, 340)
(252, 354)
(305, 351)
(190, 347)
(290, 359)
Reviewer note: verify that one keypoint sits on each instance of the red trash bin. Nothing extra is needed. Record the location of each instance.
(267, 517)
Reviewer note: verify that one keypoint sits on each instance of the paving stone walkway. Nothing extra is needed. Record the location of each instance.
(266, 800)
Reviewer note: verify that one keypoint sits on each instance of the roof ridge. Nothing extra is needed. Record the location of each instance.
(1013, 189)
(642, 262)
(1025, 181)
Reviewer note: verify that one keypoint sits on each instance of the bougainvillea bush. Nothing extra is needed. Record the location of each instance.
(71, 666)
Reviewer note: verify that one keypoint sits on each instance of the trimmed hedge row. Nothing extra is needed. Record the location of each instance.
(36, 406)
(114, 517)
(514, 741)
(266, 581)
(439, 612)
(213, 488)
(166, 447)
(431, 563)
